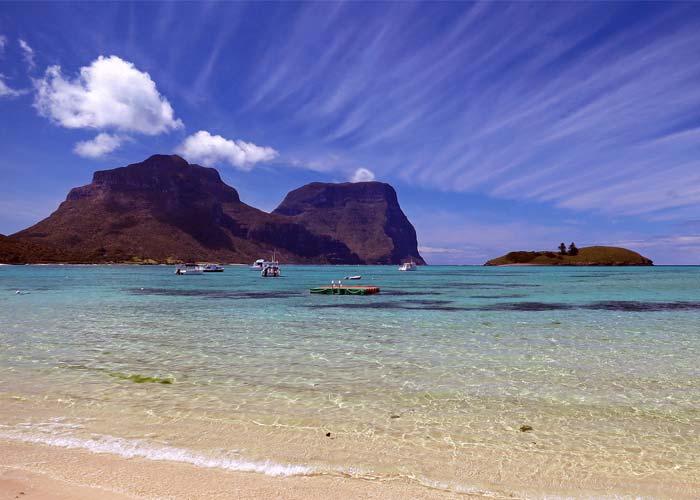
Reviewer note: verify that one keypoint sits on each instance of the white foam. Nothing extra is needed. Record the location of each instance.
(49, 433)
(134, 448)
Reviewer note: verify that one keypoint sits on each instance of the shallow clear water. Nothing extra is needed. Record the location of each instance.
(430, 380)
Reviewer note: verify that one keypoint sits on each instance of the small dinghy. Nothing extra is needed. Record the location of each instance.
(353, 277)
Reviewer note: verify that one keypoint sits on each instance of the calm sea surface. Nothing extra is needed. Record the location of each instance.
(430, 381)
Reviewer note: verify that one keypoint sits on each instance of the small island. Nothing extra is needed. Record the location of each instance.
(587, 256)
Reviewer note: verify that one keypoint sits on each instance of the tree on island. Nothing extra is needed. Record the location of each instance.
(562, 248)
(572, 249)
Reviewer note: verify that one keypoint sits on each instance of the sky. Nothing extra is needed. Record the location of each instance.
(502, 126)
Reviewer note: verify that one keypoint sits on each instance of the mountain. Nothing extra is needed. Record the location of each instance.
(366, 216)
(165, 209)
(588, 256)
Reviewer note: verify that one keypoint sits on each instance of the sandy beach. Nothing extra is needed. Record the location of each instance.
(39, 472)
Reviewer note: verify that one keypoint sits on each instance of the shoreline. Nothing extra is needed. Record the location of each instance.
(44, 472)
(49, 472)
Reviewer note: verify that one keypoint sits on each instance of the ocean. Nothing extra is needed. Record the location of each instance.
(535, 382)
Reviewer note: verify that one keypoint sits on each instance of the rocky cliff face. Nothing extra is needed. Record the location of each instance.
(165, 209)
(364, 215)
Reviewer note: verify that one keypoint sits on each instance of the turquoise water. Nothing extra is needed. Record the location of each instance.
(431, 380)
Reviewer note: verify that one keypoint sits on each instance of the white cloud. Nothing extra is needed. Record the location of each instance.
(99, 146)
(28, 53)
(362, 175)
(211, 149)
(6, 91)
(110, 93)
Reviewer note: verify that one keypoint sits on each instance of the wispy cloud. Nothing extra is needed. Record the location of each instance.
(27, 53)
(574, 107)
(7, 91)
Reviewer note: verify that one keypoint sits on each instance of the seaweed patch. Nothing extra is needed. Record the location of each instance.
(214, 294)
(414, 305)
(510, 296)
(528, 306)
(635, 306)
(142, 379)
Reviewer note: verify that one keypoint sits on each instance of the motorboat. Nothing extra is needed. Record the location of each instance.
(259, 264)
(188, 269)
(408, 266)
(213, 268)
(353, 277)
(271, 269)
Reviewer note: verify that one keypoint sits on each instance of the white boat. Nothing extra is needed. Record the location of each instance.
(189, 269)
(353, 277)
(271, 269)
(408, 266)
(259, 264)
(213, 268)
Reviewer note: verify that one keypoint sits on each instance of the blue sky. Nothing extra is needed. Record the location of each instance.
(502, 126)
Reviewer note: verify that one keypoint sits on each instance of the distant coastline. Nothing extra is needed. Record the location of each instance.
(587, 256)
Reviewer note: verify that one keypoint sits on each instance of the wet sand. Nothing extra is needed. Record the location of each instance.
(38, 472)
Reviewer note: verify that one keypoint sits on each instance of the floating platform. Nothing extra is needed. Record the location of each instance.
(346, 290)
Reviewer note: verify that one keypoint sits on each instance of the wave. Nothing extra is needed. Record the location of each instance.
(50, 434)
(135, 448)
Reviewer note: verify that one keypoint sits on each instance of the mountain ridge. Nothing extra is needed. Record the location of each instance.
(165, 209)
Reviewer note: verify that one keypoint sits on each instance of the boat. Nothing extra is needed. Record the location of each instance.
(259, 264)
(271, 269)
(189, 269)
(408, 266)
(353, 278)
(213, 268)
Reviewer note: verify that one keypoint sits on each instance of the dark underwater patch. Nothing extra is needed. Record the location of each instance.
(527, 306)
(427, 302)
(411, 305)
(510, 296)
(611, 305)
(442, 305)
(215, 294)
(401, 293)
(635, 306)
(488, 286)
